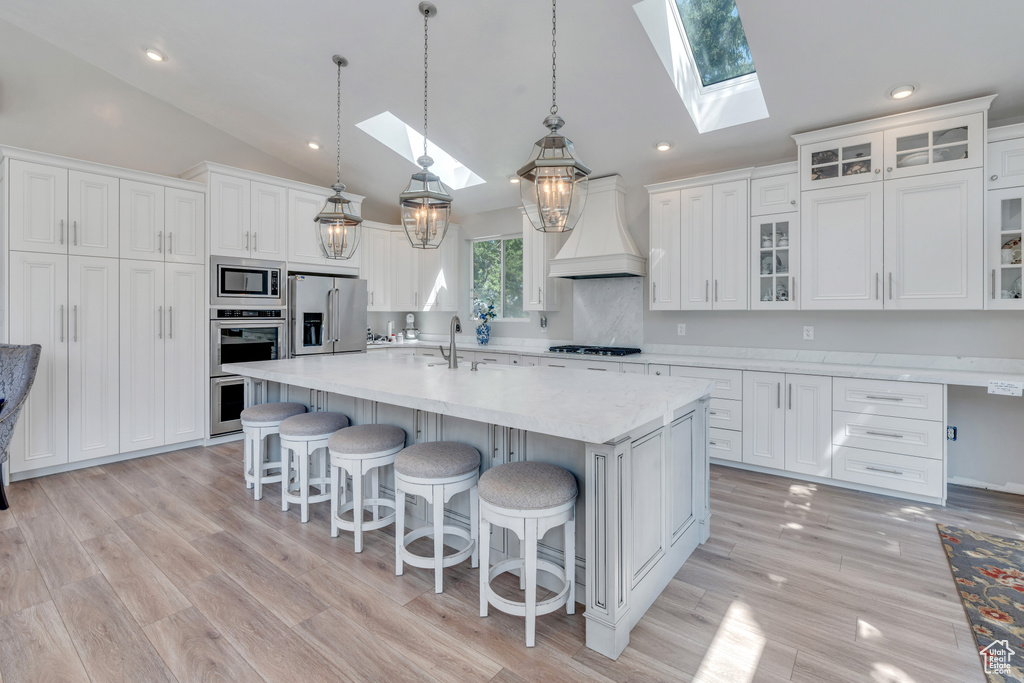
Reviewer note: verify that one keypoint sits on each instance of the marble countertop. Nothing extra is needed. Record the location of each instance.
(960, 371)
(574, 404)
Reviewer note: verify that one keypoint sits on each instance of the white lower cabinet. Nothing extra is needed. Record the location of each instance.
(787, 422)
(725, 444)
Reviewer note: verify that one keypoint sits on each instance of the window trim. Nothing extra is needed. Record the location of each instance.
(472, 273)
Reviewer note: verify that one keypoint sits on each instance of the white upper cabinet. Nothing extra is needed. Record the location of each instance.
(439, 274)
(845, 161)
(540, 292)
(184, 226)
(38, 211)
(775, 261)
(142, 221)
(841, 248)
(695, 207)
(1004, 164)
(375, 267)
(665, 254)
(933, 254)
(729, 246)
(777, 194)
(1003, 248)
(269, 216)
(93, 214)
(405, 274)
(303, 243)
(230, 209)
(949, 144)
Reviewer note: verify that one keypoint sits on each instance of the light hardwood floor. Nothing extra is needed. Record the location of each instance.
(164, 568)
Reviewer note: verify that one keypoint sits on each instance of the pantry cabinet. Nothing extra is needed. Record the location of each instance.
(142, 364)
(185, 346)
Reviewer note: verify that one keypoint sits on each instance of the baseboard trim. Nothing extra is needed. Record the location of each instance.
(110, 459)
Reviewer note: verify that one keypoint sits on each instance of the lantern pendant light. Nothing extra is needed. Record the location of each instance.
(554, 182)
(426, 204)
(338, 222)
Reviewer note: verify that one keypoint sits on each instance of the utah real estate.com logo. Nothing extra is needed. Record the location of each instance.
(997, 657)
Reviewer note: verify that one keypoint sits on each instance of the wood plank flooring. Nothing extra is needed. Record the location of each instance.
(164, 568)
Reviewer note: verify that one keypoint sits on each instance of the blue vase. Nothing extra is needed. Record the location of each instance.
(483, 334)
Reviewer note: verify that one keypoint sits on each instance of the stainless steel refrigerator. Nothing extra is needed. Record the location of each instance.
(326, 314)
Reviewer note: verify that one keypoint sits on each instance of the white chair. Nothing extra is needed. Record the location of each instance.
(302, 437)
(436, 471)
(259, 422)
(529, 498)
(358, 451)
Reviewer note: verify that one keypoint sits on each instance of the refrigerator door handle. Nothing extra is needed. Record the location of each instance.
(337, 317)
(327, 331)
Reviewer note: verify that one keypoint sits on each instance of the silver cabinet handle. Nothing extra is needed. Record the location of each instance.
(540, 295)
(657, 372)
(371, 298)
(255, 236)
(416, 298)
(882, 469)
(160, 242)
(890, 285)
(160, 322)
(716, 289)
(878, 279)
(884, 398)
(793, 202)
(889, 170)
(712, 412)
(552, 365)
(894, 436)
(792, 288)
(62, 236)
(170, 243)
(170, 322)
(789, 396)
(247, 241)
(74, 233)
(599, 369)
(654, 296)
(712, 443)
(707, 289)
(74, 323)
(993, 279)
(878, 170)
(61, 315)
(778, 395)
(995, 177)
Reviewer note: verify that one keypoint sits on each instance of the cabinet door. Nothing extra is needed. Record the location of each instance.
(1004, 164)
(764, 419)
(841, 248)
(303, 242)
(439, 271)
(93, 212)
(229, 216)
(185, 225)
(730, 218)
(665, 253)
(405, 274)
(775, 261)
(934, 147)
(540, 292)
(933, 241)
(38, 208)
(375, 268)
(93, 362)
(778, 194)
(269, 221)
(184, 351)
(695, 231)
(142, 221)
(809, 425)
(142, 355)
(847, 161)
(1003, 248)
(39, 313)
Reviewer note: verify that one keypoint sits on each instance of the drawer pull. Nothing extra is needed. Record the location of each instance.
(884, 398)
(712, 443)
(882, 469)
(712, 413)
(895, 436)
(599, 369)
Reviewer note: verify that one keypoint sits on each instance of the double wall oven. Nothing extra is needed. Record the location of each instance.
(248, 322)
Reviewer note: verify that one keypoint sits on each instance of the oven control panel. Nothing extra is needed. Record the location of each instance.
(229, 313)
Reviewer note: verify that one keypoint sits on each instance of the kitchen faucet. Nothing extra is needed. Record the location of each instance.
(452, 355)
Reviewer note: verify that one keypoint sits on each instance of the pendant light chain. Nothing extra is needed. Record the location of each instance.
(554, 72)
(339, 124)
(426, 15)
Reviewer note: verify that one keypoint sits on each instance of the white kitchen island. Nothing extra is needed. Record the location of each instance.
(636, 444)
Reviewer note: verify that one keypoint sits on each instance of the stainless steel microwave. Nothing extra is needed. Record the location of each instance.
(246, 282)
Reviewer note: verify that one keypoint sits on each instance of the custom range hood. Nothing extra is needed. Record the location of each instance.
(600, 245)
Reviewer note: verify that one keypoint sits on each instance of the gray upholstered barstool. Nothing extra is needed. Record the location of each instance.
(303, 436)
(436, 471)
(529, 498)
(259, 422)
(358, 451)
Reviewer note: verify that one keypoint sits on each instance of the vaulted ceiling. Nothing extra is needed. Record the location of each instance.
(261, 70)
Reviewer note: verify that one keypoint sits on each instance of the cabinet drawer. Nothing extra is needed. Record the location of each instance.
(725, 444)
(728, 383)
(726, 413)
(895, 399)
(921, 438)
(922, 476)
(659, 370)
(492, 358)
(633, 368)
(575, 364)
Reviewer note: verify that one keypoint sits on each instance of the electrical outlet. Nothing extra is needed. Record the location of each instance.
(681, 329)
(950, 433)
(808, 333)
(543, 322)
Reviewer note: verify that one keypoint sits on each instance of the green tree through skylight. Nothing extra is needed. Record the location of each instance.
(715, 33)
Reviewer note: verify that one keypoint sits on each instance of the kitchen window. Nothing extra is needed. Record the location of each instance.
(498, 276)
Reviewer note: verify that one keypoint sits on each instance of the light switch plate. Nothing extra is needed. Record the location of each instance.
(1004, 388)
(681, 329)
(808, 333)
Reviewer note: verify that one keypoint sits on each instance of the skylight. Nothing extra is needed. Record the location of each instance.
(717, 41)
(391, 131)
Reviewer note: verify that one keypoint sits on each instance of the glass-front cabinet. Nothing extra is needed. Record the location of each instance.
(945, 145)
(846, 161)
(775, 259)
(1003, 240)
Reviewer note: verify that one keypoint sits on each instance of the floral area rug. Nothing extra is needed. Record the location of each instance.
(989, 573)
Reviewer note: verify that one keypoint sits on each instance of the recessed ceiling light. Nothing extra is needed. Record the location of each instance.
(663, 146)
(313, 144)
(514, 179)
(155, 54)
(901, 91)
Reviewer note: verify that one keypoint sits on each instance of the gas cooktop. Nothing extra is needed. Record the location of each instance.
(595, 350)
